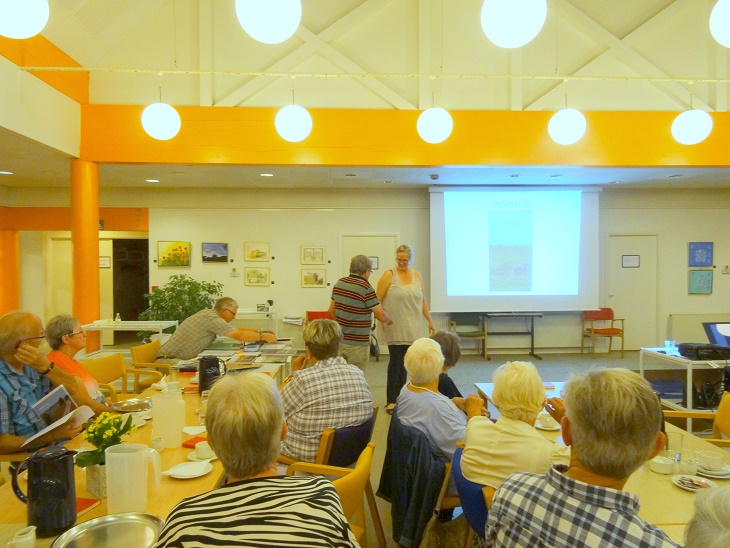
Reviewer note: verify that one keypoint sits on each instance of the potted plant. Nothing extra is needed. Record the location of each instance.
(104, 431)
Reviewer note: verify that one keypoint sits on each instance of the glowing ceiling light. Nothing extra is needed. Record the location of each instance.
(161, 121)
(720, 22)
(22, 19)
(567, 126)
(692, 127)
(513, 23)
(293, 123)
(269, 21)
(434, 125)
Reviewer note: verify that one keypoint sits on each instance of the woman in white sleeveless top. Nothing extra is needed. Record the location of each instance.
(400, 291)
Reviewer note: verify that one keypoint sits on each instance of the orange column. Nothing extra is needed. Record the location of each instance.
(85, 239)
(9, 271)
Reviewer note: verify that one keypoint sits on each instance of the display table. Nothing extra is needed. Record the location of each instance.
(104, 325)
(529, 329)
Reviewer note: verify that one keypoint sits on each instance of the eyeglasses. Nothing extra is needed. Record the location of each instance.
(74, 333)
(231, 311)
(41, 336)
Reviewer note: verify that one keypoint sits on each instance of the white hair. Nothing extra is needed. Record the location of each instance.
(424, 361)
(710, 526)
(518, 391)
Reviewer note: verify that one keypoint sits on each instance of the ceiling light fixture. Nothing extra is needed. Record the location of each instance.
(152, 180)
(720, 22)
(21, 19)
(270, 22)
(691, 127)
(161, 121)
(567, 126)
(293, 123)
(513, 23)
(6, 172)
(266, 174)
(434, 125)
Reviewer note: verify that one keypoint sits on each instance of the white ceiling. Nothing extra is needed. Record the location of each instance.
(403, 54)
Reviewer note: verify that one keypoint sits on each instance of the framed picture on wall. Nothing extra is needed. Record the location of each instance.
(700, 282)
(313, 254)
(256, 251)
(215, 253)
(256, 276)
(173, 254)
(700, 254)
(314, 277)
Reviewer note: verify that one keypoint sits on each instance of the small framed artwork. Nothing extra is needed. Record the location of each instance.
(700, 282)
(374, 263)
(173, 253)
(314, 278)
(256, 251)
(700, 254)
(256, 276)
(215, 253)
(105, 262)
(312, 254)
(630, 261)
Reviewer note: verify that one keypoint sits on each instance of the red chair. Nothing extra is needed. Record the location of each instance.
(601, 323)
(318, 315)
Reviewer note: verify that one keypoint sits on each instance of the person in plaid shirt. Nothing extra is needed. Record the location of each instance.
(611, 421)
(323, 392)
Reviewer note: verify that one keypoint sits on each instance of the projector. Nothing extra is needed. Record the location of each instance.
(700, 352)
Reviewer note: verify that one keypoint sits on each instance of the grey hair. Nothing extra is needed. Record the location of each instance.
(424, 360)
(360, 264)
(323, 338)
(614, 421)
(14, 327)
(710, 526)
(57, 327)
(225, 302)
(518, 391)
(405, 248)
(449, 343)
(244, 420)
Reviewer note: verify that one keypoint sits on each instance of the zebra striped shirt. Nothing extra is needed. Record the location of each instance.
(271, 511)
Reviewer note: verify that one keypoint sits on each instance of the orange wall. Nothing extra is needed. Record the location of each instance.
(59, 218)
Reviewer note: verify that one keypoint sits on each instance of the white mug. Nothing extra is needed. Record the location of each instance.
(203, 450)
(546, 421)
(710, 460)
(688, 466)
(25, 538)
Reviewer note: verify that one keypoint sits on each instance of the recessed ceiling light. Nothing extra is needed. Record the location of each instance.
(350, 175)
(676, 175)
(6, 172)
(152, 180)
(267, 174)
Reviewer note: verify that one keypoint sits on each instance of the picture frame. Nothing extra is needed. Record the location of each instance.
(313, 254)
(214, 253)
(314, 277)
(700, 282)
(105, 262)
(700, 254)
(630, 261)
(374, 262)
(173, 254)
(256, 252)
(256, 276)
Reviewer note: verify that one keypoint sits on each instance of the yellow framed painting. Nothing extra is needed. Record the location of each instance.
(256, 276)
(256, 251)
(175, 254)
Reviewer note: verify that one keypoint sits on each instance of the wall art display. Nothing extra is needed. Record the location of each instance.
(256, 251)
(374, 262)
(700, 254)
(215, 253)
(314, 278)
(700, 282)
(313, 254)
(173, 253)
(256, 276)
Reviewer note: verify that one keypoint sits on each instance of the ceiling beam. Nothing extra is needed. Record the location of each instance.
(205, 52)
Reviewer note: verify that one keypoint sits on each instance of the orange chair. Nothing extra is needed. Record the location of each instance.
(601, 323)
(720, 426)
(318, 315)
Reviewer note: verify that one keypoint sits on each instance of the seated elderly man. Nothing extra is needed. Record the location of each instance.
(26, 375)
(256, 507)
(611, 422)
(323, 392)
(710, 526)
(493, 451)
(199, 330)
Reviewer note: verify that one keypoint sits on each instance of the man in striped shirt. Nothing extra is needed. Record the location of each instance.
(353, 300)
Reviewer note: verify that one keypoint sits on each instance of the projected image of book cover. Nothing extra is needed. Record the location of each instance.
(510, 251)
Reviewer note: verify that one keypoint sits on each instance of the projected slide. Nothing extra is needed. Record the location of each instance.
(510, 250)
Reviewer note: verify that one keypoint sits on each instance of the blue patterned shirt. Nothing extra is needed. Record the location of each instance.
(555, 510)
(18, 393)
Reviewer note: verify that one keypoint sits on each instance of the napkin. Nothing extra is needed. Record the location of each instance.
(190, 469)
(194, 430)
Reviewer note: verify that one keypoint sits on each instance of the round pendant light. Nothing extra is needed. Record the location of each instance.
(434, 125)
(161, 121)
(293, 123)
(513, 23)
(269, 21)
(692, 127)
(22, 19)
(720, 22)
(567, 126)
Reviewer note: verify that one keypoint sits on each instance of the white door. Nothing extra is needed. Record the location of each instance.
(631, 287)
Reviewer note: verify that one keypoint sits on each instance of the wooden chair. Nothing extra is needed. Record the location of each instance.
(720, 426)
(470, 326)
(144, 356)
(110, 368)
(601, 323)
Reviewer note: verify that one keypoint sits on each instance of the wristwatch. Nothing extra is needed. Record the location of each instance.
(50, 367)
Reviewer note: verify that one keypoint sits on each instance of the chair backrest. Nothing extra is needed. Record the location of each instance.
(471, 496)
(106, 369)
(343, 446)
(722, 417)
(351, 488)
(467, 318)
(605, 314)
(318, 315)
(145, 353)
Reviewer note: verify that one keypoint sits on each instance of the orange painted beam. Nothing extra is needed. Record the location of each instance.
(59, 218)
(229, 135)
(39, 52)
(9, 271)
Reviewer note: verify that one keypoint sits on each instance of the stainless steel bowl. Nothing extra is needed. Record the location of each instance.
(116, 530)
(132, 405)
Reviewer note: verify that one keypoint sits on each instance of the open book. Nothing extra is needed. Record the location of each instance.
(57, 408)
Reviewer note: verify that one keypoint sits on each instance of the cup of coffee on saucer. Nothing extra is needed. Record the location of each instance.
(710, 461)
(203, 450)
(546, 422)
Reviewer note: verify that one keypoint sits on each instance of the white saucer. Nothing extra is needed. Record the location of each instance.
(194, 380)
(192, 457)
(181, 474)
(676, 481)
(548, 428)
(714, 473)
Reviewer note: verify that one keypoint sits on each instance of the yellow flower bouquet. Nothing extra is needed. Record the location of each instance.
(104, 431)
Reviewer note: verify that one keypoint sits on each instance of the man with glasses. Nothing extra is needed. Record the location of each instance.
(199, 330)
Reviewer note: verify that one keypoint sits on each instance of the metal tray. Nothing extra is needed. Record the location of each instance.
(122, 530)
(132, 405)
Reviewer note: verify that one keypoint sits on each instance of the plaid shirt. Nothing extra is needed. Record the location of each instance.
(555, 510)
(194, 334)
(329, 394)
(18, 393)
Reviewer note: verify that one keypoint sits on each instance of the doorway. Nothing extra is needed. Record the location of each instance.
(131, 280)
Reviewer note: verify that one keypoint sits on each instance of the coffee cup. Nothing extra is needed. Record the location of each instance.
(546, 421)
(173, 386)
(687, 466)
(661, 465)
(25, 538)
(203, 450)
(710, 460)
